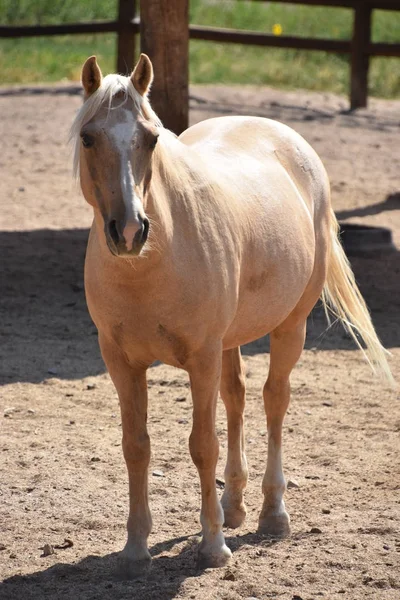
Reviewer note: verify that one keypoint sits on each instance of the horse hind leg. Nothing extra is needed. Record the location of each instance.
(232, 389)
(286, 346)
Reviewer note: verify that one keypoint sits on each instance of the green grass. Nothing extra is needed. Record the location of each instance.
(33, 60)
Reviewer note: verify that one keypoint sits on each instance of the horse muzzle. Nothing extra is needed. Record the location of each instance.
(128, 239)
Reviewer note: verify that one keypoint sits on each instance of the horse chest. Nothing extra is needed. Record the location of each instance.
(145, 326)
(141, 334)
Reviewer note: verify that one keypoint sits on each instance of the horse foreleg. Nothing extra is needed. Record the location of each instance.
(233, 394)
(205, 374)
(286, 348)
(131, 385)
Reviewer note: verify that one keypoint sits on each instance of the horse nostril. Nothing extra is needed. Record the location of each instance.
(145, 232)
(142, 233)
(112, 230)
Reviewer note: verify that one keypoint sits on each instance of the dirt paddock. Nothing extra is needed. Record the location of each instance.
(63, 490)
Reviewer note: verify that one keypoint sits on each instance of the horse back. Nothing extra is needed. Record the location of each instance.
(237, 144)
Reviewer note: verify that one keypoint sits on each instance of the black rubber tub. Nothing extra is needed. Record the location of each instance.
(363, 239)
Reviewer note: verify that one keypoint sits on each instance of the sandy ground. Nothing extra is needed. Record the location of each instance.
(62, 471)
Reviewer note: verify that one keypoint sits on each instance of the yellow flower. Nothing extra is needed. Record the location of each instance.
(277, 29)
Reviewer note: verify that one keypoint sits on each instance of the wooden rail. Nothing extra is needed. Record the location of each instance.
(360, 47)
(164, 26)
(381, 4)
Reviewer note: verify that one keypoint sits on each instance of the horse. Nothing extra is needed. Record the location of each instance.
(199, 244)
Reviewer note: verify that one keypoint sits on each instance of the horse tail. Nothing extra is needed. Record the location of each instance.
(342, 298)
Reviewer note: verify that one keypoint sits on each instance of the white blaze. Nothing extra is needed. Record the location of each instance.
(121, 133)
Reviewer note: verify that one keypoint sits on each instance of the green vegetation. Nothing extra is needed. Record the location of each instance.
(32, 60)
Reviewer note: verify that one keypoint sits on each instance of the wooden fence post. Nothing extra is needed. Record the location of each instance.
(164, 35)
(126, 36)
(359, 56)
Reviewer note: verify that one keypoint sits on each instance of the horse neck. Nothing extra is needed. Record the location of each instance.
(179, 185)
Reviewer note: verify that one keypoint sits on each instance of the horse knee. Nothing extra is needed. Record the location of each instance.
(136, 450)
(203, 450)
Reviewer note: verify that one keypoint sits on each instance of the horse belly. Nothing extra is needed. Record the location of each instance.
(267, 297)
(259, 317)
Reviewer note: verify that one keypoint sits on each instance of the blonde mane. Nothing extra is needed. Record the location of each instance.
(110, 86)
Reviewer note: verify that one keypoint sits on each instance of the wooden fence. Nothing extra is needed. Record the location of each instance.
(126, 26)
(167, 31)
(359, 47)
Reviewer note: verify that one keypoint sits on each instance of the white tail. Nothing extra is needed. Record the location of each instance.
(342, 298)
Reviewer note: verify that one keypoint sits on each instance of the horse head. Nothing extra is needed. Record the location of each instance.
(115, 136)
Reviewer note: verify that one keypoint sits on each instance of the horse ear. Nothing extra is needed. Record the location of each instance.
(142, 76)
(91, 76)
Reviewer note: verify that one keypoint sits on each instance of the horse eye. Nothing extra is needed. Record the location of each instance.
(87, 140)
(154, 143)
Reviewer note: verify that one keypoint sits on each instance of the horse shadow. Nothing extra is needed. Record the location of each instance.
(46, 330)
(98, 576)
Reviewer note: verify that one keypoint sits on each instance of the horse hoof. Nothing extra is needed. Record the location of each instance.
(129, 568)
(214, 560)
(275, 525)
(233, 518)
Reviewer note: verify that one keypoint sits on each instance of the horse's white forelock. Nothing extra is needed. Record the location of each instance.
(110, 86)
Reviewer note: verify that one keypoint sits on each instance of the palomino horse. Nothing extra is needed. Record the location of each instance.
(200, 244)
